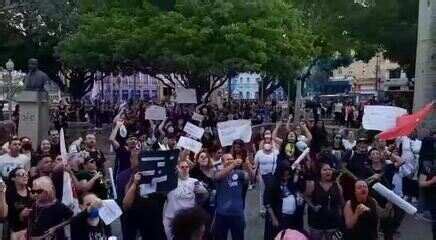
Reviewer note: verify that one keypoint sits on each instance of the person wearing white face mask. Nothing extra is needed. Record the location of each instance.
(266, 163)
(188, 193)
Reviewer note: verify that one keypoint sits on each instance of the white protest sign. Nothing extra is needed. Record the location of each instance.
(194, 131)
(233, 130)
(197, 117)
(381, 118)
(109, 212)
(190, 144)
(155, 113)
(186, 95)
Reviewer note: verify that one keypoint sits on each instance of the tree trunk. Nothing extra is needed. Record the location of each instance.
(80, 84)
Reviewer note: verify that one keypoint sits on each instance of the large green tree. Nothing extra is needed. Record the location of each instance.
(32, 29)
(200, 44)
(365, 27)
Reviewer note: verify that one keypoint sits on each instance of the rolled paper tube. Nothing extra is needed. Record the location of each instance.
(300, 158)
(394, 198)
(111, 177)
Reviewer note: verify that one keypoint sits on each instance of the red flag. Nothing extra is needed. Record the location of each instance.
(407, 123)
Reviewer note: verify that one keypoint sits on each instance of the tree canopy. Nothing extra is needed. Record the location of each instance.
(200, 44)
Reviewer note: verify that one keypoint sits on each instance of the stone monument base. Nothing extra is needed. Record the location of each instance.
(34, 116)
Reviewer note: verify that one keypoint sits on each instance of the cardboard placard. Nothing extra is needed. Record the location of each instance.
(232, 130)
(381, 118)
(186, 95)
(193, 130)
(158, 170)
(154, 112)
(190, 144)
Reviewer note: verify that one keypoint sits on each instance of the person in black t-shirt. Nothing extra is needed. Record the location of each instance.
(54, 141)
(142, 214)
(47, 212)
(19, 201)
(93, 152)
(427, 177)
(122, 158)
(91, 179)
(87, 225)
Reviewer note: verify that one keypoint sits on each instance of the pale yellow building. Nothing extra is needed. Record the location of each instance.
(377, 74)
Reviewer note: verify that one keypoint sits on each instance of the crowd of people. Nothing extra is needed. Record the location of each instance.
(332, 185)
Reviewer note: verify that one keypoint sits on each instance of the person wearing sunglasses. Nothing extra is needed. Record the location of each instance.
(47, 212)
(91, 180)
(19, 201)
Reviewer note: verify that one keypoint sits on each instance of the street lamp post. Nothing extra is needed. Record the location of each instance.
(9, 67)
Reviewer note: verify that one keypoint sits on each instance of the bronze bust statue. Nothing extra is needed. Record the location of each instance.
(35, 78)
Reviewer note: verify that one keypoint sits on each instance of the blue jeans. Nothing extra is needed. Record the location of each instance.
(236, 225)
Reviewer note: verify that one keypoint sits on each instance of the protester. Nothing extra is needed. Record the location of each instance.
(53, 137)
(325, 212)
(48, 212)
(92, 151)
(13, 158)
(26, 147)
(361, 217)
(142, 212)
(427, 177)
(43, 149)
(203, 171)
(284, 204)
(226, 173)
(265, 161)
(230, 198)
(20, 202)
(87, 225)
(91, 179)
(189, 224)
(188, 192)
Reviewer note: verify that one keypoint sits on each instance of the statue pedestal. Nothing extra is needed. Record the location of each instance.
(34, 116)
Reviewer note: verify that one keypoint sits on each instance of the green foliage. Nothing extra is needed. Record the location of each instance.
(344, 26)
(200, 44)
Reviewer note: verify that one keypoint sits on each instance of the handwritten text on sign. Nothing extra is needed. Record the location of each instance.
(233, 130)
(194, 131)
(381, 118)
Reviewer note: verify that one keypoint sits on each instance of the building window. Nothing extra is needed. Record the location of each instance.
(153, 93)
(146, 95)
(248, 95)
(241, 95)
(125, 95)
(395, 73)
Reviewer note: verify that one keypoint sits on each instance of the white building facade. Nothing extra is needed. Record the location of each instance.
(116, 88)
